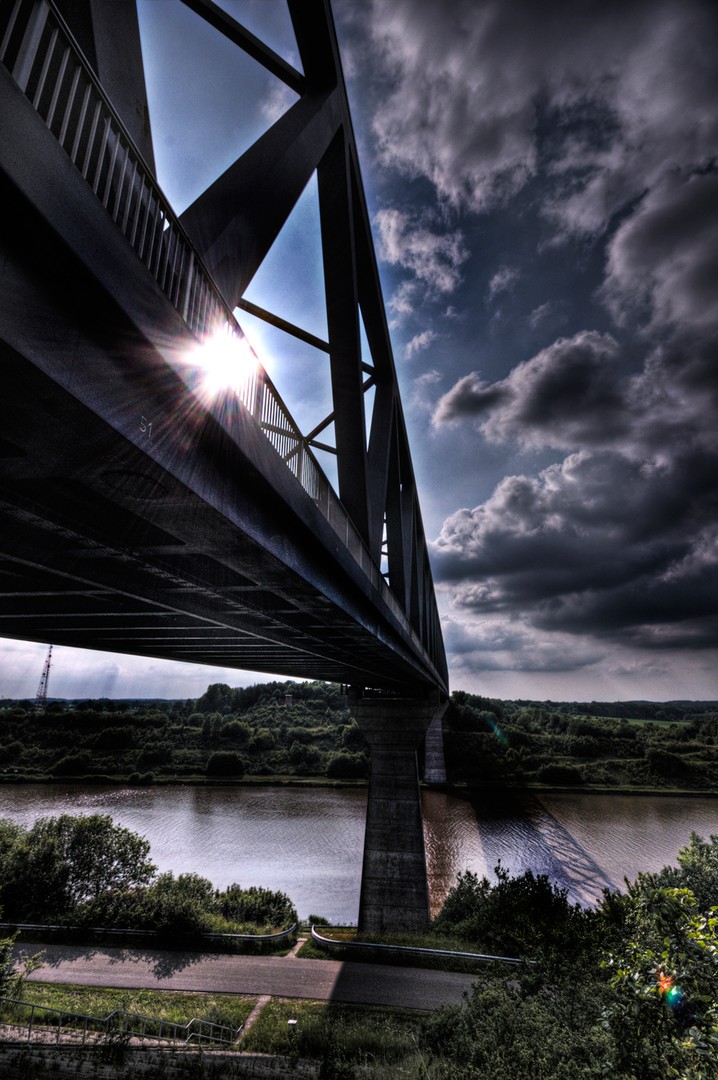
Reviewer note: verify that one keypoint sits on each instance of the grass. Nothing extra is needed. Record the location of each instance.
(312, 951)
(176, 1006)
(332, 1032)
(325, 1031)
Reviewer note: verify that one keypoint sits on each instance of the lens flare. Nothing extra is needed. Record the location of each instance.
(225, 363)
(672, 994)
(500, 735)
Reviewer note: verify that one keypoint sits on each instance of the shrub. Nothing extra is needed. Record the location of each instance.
(556, 773)
(519, 916)
(73, 764)
(260, 907)
(225, 763)
(347, 766)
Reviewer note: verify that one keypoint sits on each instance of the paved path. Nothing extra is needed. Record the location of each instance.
(289, 976)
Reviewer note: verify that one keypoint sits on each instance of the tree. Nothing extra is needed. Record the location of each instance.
(260, 907)
(12, 973)
(63, 862)
(524, 916)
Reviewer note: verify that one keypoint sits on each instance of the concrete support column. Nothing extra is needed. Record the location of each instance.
(394, 888)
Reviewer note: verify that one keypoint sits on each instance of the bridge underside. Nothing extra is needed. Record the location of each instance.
(137, 516)
(189, 540)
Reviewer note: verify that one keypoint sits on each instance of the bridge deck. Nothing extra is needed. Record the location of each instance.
(133, 518)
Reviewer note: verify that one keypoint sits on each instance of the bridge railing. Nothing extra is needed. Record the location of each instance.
(45, 61)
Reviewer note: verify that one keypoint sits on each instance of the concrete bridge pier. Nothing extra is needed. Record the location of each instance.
(394, 888)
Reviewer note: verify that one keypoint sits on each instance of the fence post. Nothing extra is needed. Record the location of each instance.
(30, 45)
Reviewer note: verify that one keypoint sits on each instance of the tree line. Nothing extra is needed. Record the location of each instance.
(268, 730)
(516, 744)
(305, 730)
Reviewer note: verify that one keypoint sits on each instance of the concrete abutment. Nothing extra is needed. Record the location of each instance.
(394, 888)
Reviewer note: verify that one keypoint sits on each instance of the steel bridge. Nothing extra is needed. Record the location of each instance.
(132, 520)
(135, 516)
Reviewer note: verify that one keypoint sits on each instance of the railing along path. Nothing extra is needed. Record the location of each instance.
(118, 1024)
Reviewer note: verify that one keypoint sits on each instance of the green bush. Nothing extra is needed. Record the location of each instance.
(62, 863)
(73, 764)
(556, 773)
(260, 907)
(225, 763)
(345, 765)
(523, 915)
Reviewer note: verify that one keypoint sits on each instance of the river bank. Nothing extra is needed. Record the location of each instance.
(457, 790)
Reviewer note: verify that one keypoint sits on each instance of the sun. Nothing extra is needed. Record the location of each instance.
(225, 363)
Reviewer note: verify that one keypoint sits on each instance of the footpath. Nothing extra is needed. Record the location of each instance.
(263, 977)
(274, 976)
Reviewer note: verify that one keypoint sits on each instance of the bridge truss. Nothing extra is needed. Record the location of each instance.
(377, 603)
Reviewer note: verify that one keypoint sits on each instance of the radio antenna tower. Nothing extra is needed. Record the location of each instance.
(41, 699)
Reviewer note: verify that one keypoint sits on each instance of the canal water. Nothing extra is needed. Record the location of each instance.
(307, 842)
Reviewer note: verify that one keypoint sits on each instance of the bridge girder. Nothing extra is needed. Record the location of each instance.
(345, 626)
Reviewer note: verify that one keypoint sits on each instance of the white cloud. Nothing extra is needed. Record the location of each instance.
(504, 279)
(664, 257)
(434, 259)
(84, 673)
(279, 99)
(419, 342)
(460, 89)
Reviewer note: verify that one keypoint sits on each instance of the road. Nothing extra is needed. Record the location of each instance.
(287, 977)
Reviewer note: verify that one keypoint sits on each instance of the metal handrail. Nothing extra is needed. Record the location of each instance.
(39, 50)
(410, 950)
(279, 935)
(127, 1024)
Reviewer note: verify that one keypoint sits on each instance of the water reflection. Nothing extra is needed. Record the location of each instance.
(308, 842)
(584, 843)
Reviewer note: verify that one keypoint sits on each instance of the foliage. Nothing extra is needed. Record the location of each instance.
(663, 1012)
(88, 871)
(508, 1032)
(629, 990)
(225, 763)
(306, 730)
(697, 870)
(559, 774)
(61, 863)
(12, 972)
(280, 729)
(524, 916)
(257, 906)
(623, 745)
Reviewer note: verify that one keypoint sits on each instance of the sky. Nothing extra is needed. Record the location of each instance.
(542, 185)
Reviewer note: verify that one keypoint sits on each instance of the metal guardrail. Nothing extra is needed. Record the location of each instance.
(118, 1024)
(411, 950)
(45, 61)
(123, 931)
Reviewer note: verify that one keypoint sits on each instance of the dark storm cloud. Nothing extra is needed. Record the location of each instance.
(564, 396)
(663, 260)
(598, 544)
(585, 128)
(462, 85)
